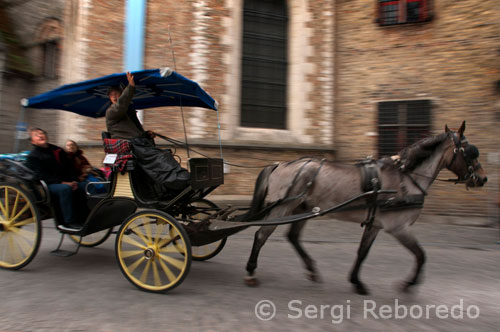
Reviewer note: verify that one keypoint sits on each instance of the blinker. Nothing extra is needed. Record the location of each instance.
(471, 152)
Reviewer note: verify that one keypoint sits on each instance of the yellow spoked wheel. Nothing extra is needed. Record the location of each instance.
(204, 207)
(20, 229)
(153, 251)
(94, 239)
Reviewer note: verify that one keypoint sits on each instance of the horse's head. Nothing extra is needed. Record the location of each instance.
(463, 159)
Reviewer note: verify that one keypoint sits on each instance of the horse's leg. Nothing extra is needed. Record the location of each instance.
(260, 239)
(293, 237)
(369, 235)
(409, 241)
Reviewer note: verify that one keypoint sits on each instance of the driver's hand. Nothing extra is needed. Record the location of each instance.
(130, 79)
(151, 134)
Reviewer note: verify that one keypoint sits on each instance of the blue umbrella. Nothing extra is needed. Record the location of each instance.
(154, 88)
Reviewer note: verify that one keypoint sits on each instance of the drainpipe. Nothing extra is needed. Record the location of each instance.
(135, 25)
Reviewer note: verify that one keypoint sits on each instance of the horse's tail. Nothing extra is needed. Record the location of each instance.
(259, 194)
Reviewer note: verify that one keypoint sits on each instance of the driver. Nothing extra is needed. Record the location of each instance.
(121, 119)
(122, 123)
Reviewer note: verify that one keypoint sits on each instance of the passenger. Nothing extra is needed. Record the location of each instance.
(77, 159)
(84, 171)
(122, 123)
(51, 164)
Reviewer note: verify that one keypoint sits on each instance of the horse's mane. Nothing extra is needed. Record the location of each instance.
(415, 154)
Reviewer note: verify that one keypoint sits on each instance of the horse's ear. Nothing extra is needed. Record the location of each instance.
(446, 129)
(462, 129)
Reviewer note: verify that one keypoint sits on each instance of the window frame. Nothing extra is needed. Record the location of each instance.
(426, 13)
(278, 118)
(405, 129)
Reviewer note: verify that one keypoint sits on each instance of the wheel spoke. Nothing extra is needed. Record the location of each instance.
(137, 231)
(165, 242)
(24, 245)
(24, 222)
(14, 251)
(23, 232)
(173, 261)
(15, 204)
(170, 275)
(130, 253)
(147, 227)
(159, 231)
(173, 249)
(145, 272)
(156, 275)
(2, 207)
(133, 266)
(129, 240)
(7, 202)
(25, 207)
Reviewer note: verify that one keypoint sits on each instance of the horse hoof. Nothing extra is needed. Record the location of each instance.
(251, 281)
(314, 277)
(405, 287)
(361, 290)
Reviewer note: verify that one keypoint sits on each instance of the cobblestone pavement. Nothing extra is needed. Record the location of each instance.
(87, 292)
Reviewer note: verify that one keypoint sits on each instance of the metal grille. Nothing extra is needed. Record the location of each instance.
(402, 123)
(264, 64)
(50, 59)
(403, 11)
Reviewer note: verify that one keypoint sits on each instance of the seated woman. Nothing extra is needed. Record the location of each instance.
(84, 171)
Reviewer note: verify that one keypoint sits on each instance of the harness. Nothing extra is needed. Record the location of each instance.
(370, 181)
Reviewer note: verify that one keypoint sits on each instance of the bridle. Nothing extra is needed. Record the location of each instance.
(469, 152)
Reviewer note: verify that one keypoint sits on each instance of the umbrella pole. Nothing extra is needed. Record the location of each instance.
(180, 98)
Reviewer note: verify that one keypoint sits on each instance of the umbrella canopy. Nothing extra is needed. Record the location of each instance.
(154, 88)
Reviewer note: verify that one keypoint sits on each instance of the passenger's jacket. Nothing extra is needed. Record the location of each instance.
(51, 164)
(121, 118)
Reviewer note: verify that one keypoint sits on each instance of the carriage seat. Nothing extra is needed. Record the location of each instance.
(123, 149)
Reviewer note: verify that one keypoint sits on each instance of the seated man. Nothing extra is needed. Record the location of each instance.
(50, 164)
(122, 123)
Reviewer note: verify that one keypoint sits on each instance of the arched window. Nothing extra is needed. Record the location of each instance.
(264, 64)
(49, 40)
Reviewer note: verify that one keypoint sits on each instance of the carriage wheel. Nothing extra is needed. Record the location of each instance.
(153, 251)
(20, 228)
(205, 252)
(94, 239)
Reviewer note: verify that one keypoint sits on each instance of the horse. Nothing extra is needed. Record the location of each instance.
(395, 203)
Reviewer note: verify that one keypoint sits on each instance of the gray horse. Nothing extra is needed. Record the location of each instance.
(306, 184)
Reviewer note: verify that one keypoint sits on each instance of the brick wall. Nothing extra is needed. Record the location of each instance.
(452, 60)
(342, 63)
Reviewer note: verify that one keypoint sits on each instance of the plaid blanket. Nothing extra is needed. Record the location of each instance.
(122, 148)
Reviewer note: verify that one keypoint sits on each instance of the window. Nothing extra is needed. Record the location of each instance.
(403, 11)
(402, 123)
(50, 59)
(264, 64)
(48, 40)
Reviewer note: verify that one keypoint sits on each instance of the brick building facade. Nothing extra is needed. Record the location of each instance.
(345, 61)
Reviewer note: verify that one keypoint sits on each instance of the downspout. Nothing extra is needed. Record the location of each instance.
(135, 25)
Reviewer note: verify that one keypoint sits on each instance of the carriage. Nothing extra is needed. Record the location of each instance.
(150, 231)
(157, 238)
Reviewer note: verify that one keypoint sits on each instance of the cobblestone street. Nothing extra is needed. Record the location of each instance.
(87, 292)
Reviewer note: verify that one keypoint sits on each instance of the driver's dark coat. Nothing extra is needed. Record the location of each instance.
(121, 118)
(51, 164)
